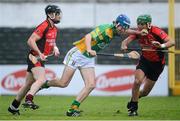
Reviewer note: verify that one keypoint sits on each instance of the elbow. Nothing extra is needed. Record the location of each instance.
(88, 36)
(28, 42)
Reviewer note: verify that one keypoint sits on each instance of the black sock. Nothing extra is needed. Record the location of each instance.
(15, 103)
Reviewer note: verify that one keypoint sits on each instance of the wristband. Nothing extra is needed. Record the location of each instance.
(163, 45)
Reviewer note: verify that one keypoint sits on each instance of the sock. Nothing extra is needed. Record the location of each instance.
(135, 103)
(29, 97)
(15, 103)
(75, 105)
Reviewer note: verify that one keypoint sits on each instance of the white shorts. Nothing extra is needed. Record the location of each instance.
(75, 59)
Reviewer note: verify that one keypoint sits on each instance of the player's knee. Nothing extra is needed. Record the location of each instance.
(28, 83)
(91, 86)
(137, 82)
(63, 84)
(40, 81)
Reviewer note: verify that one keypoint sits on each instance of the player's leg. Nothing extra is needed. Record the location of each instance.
(140, 75)
(139, 78)
(148, 85)
(152, 71)
(133, 104)
(69, 70)
(88, 75)
(13, 108)
(152, 76)
(65, 79)
(39, 76)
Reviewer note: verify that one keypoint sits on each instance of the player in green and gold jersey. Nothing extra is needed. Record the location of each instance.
(82, 57)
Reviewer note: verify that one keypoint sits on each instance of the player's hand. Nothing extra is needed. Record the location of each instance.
(144, 32)
(156, 44)
(42, 57)
(92, 52)
(56, 52)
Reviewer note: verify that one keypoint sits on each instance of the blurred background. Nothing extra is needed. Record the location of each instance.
(20, 17)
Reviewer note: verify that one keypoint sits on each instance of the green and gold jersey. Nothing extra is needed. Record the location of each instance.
(101, 37)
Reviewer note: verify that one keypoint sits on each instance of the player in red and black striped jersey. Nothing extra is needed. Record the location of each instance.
(42, 43)
(151, 63)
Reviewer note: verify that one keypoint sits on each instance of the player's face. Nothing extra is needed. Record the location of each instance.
(58, 17)
(120, 29)
(142, 26)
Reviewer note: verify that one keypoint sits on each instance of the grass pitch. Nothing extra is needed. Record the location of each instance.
(95, 108)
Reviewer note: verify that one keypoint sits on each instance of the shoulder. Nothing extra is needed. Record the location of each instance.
(41, 28)
(155, 29)
(158, 32)
(106, 26)
(44, 24)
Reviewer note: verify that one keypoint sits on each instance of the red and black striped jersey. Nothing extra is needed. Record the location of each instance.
(155, 34)
(48, 36)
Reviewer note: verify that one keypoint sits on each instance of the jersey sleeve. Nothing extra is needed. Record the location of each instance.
(109, 33)
(94, 34)
(40, 29)
(160, 33)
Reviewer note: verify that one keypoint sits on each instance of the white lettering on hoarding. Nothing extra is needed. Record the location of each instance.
(103, 81)
(12, 82)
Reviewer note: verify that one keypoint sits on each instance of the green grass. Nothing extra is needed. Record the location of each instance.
(95, 108)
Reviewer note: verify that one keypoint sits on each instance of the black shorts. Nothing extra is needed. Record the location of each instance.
(152, 70)
(31, 65)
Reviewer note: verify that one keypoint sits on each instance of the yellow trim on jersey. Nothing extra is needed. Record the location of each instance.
(99, 34)
(109, 32)
(93, 34)
(93, 42)
(82, 46)
(80, 41)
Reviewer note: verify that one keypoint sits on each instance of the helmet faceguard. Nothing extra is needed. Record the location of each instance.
(55, 10)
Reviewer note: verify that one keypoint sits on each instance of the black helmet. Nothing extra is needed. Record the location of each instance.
(52, 9)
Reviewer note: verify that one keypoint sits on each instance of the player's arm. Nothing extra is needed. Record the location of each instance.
(125, 42)
(131, 31)
(167, 43)
(142, 32)
(88, 39)
(32, 43)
